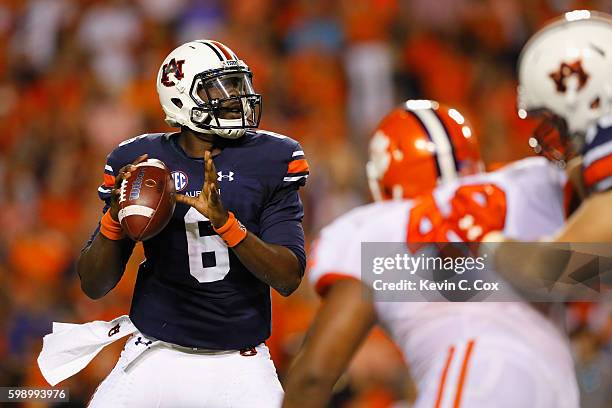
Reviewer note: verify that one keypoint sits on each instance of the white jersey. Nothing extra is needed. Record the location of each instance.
(526, 199)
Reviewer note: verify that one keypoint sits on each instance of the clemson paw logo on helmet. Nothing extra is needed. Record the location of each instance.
(566, 71)
(173, 67)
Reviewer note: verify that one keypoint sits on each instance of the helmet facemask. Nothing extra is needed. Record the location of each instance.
(226, 103)
(552, 139)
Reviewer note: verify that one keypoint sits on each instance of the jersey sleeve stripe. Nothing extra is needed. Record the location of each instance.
(298, 153)
(104, 190)
(597, 153)
(598, 171)
(297, 166)
(109, 181)
(327, 280)
(295, 178)
(603, 185)
(108, 169)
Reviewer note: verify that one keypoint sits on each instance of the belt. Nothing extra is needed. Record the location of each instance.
(250, 351)
(198, 350)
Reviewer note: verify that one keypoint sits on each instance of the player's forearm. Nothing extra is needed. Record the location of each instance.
(342, 323)
(590, 223)
(307, 386)
(273, 264)
(101, 265)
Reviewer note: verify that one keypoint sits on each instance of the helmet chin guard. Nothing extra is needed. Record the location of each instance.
(202, 85)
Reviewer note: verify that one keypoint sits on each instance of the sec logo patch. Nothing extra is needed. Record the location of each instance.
(180, 180)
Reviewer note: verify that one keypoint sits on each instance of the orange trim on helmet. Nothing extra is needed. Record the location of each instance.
(224, 50)
(298, 166)
(326, 281)
(598, 171)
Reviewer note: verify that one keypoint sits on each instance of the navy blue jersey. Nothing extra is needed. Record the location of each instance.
(192, 290)
(597, 156)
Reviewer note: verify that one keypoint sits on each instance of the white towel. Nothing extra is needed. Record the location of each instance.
(70, 347)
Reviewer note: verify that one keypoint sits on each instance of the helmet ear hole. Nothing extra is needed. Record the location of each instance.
(177, 102)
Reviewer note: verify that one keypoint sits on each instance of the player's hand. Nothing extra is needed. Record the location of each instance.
(125, 172)
(208, 203)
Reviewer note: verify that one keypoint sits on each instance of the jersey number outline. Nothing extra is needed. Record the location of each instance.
(475, 210)
(208, 255)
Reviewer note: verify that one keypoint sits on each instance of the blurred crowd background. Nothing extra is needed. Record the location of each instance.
(78, 76)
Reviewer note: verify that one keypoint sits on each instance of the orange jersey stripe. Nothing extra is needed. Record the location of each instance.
(463, 374)
(109, 181)
(327, 280)
(598, 171)
(451, 352)
(298, 166)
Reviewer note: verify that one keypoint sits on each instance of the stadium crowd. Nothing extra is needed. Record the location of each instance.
(78, 76)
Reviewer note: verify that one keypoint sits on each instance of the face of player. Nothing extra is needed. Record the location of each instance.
(226, 92)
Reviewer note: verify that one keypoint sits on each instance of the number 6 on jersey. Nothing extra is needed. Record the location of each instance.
(208, 255)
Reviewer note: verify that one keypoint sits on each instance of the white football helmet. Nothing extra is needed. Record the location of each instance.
(565, 75)
(204, 86)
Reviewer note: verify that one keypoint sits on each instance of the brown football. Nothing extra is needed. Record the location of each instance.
(146, 200)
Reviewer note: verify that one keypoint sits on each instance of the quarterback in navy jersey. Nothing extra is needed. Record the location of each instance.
(202, 299)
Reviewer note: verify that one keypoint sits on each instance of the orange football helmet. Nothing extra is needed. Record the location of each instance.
(418, 145)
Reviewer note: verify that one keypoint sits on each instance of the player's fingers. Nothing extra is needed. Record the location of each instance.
(213, 193)
(140, 159)
(206, 176)
(124, 173)
(208, 166)
(212, 171)
(181, 198)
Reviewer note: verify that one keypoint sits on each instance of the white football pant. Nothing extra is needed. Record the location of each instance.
(493, 372)
(151, 373)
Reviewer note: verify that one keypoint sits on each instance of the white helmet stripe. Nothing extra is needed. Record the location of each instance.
(215, 49)
(444, 148)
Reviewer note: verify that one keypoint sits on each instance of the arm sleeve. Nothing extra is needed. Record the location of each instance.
(281, 222)
(597, 157)
(281, 219)
(111, 168)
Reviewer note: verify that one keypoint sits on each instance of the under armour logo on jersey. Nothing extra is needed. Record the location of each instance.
(173, 67)
(566, 71)
(114, 330)
(228, 177)
(139, 341)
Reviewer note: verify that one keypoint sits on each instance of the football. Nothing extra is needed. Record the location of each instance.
(146, 200)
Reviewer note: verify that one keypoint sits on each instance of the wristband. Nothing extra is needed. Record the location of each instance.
(232, 232)
(110, 228)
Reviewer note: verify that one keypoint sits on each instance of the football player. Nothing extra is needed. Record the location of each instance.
(201, 304)
(564, 79)
(460, 354)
